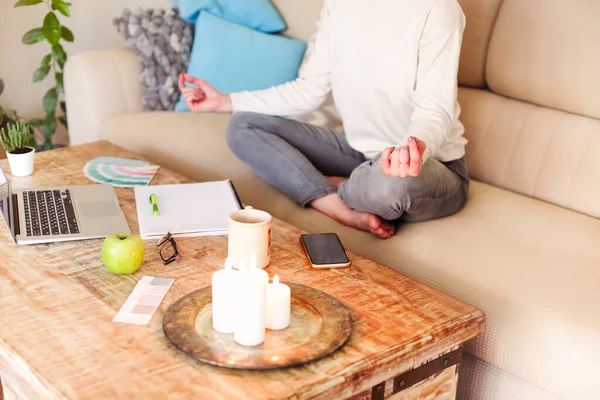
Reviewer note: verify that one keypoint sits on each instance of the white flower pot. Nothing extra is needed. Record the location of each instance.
(21, 164)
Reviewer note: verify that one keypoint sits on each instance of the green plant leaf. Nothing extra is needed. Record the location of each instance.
(15, 136)
(22, 3)
(41, 73)
(59, 80)
(59, 53)
(50, 100)
(46, 60)
(35, 122)
(51, 28)
(63, 120)
(61, 63)
(67, 34)
(62, 7)
(49, 127)
(34, 36)
(63, 106)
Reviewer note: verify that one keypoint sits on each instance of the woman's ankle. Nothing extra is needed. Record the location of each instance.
(336, 180)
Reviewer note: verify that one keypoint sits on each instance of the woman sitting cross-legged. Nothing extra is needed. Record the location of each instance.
(393, 75)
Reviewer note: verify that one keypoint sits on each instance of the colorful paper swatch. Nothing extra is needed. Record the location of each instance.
(144, 300)
(120, 172)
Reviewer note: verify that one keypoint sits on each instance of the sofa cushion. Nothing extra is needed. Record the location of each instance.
(531, 266)
(255, 14)
(481, 16)
(234, 58)
(547, 52)
(163, 43)
(543, 153)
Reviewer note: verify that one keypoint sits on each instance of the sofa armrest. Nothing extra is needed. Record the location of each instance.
(100, 85)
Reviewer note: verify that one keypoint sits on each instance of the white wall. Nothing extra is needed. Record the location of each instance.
(91, 23)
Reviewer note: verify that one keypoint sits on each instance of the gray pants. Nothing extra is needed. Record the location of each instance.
(295, 158)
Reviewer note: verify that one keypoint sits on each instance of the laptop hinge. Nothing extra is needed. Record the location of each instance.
(15, 212)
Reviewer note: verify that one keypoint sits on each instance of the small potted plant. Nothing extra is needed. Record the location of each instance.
(16, 140)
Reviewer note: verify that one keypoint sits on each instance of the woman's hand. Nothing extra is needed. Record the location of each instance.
(404, 161)
(204, 97)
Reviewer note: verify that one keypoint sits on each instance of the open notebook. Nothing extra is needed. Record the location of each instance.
(194, 209)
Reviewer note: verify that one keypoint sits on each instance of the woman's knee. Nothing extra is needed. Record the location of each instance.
(362, 192)
(370, 190)
(237, 133)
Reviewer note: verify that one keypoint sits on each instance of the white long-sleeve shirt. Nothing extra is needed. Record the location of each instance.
(392, 66)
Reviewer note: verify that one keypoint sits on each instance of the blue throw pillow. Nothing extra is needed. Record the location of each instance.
(256, 14)
(234, 58)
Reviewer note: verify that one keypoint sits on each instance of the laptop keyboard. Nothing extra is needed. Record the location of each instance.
(49, 212)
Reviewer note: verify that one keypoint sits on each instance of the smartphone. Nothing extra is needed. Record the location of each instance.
(324, 250)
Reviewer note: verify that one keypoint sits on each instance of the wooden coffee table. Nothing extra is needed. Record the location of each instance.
(57, 301)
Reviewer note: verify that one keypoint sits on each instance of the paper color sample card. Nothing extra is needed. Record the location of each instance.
(120, 172)
(144, 300)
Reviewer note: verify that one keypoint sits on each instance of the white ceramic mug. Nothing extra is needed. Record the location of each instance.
(250, 233)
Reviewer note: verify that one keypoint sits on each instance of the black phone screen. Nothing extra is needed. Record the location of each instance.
(324, 249)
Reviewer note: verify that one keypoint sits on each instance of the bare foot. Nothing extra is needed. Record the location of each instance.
(336, 180)
(370, 223)
(334, 207)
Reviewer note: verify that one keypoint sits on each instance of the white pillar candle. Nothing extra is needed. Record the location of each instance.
(252, 305)
(224, 289)
(278, 305)
(254, 264)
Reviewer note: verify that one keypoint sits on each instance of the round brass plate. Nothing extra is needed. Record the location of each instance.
(319, 326)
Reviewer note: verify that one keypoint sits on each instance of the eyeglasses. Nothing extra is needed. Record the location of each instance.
(168, 249)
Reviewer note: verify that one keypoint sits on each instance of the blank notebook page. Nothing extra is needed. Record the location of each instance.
(186, 209)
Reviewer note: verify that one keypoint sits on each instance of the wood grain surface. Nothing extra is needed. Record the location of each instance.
(57, 301)
(440, 387)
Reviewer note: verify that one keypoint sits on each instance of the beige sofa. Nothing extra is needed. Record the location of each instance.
(526, 249)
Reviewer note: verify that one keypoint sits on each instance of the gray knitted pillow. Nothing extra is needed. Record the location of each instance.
(163, 43)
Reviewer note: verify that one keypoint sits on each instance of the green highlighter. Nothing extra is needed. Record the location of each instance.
(154, 205)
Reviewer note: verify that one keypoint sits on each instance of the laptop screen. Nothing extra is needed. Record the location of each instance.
(6, 202)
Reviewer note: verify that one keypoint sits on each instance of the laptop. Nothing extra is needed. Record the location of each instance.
(61, 213)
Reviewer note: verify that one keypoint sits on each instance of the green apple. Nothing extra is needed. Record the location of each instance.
(123, 253)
